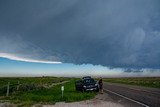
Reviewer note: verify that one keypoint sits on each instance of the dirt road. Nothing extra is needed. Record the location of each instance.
(140, 95)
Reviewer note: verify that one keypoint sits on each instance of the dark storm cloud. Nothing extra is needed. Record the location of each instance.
(105, 32)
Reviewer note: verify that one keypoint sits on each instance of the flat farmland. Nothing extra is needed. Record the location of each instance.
(35, 80)
(153, 82)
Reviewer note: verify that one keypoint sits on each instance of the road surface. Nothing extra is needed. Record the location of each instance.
(141, 95)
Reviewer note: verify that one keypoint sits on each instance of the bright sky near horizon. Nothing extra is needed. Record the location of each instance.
(14, 68)
(79, 37)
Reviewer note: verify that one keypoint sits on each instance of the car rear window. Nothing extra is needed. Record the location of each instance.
(89, 81)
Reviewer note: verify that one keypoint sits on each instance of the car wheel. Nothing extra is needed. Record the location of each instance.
(97, 90)
(82, 90)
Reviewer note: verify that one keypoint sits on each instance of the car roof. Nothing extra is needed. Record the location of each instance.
(87, 77)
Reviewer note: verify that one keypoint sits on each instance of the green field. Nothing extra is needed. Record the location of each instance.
(48, 95)
(140, 81)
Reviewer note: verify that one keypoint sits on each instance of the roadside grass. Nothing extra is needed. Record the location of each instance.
(51, 95)
(153, 82)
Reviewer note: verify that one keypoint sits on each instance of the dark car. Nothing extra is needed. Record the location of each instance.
(87, 84)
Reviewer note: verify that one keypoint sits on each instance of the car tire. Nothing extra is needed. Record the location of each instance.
(97, 90)
(82, 90)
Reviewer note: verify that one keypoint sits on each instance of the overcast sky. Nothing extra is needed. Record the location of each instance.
(106, 34)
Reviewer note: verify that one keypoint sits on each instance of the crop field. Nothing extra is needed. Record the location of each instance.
(140, 81)
(41, 90)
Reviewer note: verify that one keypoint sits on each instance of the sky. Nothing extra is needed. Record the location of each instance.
(79, 37)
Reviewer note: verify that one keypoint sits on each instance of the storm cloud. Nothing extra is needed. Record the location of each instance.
(110, 33)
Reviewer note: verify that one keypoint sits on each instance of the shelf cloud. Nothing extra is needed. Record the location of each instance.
(115, 34)
(13, 57)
